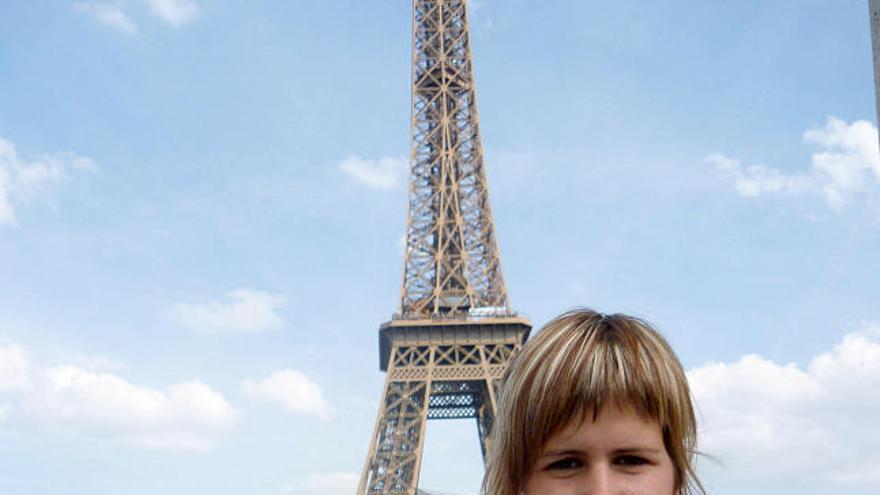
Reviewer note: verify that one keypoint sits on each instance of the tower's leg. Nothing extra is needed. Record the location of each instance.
(396, 450)
(451, 376)
(485, 417)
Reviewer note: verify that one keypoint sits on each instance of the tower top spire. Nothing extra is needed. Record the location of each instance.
(452, 267)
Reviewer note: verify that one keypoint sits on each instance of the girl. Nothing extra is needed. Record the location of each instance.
(594, 405)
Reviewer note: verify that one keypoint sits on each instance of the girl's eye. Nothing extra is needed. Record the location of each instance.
(630, 461)
(567, 463)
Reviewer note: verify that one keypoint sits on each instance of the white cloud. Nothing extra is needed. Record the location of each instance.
(293, 391)
(113, 13)
(385, 173)
(14, 368)
(90, 362)
(324, 484)
(174, 12)
(770, 421)
(246, 310)
(186, 416)
(110, 14)
(106, 407)
(845, 165)
(22, 180)
(758, 180)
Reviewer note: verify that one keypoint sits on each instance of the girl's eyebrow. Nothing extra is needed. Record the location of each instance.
(638, 450)
(562, 453)
(620, 451)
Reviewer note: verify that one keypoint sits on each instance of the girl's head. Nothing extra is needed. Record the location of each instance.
(581, 368)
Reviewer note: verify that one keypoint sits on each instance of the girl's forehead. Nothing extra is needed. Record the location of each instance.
(612, 426)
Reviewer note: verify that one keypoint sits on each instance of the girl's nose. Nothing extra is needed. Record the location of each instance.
(598, 481)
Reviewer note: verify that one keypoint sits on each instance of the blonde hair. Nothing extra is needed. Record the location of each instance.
(578, 363)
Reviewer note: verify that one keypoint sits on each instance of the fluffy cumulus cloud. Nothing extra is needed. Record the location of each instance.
(117, 14)
(384, 173)
(774, 422)
(14, 368)
(244, 310)
(323, 484)
(106, 407)
(109, 14)
(22, 180)
(174, 12)
(845, 165)
(185, 416)
(295, 392)
(90, 362)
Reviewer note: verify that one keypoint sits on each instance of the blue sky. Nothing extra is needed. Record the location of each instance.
(202, 204)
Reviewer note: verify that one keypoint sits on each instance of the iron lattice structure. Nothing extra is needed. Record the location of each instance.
(452, 262)
(449, 345)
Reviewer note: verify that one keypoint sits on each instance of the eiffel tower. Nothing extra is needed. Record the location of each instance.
(450, 342)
